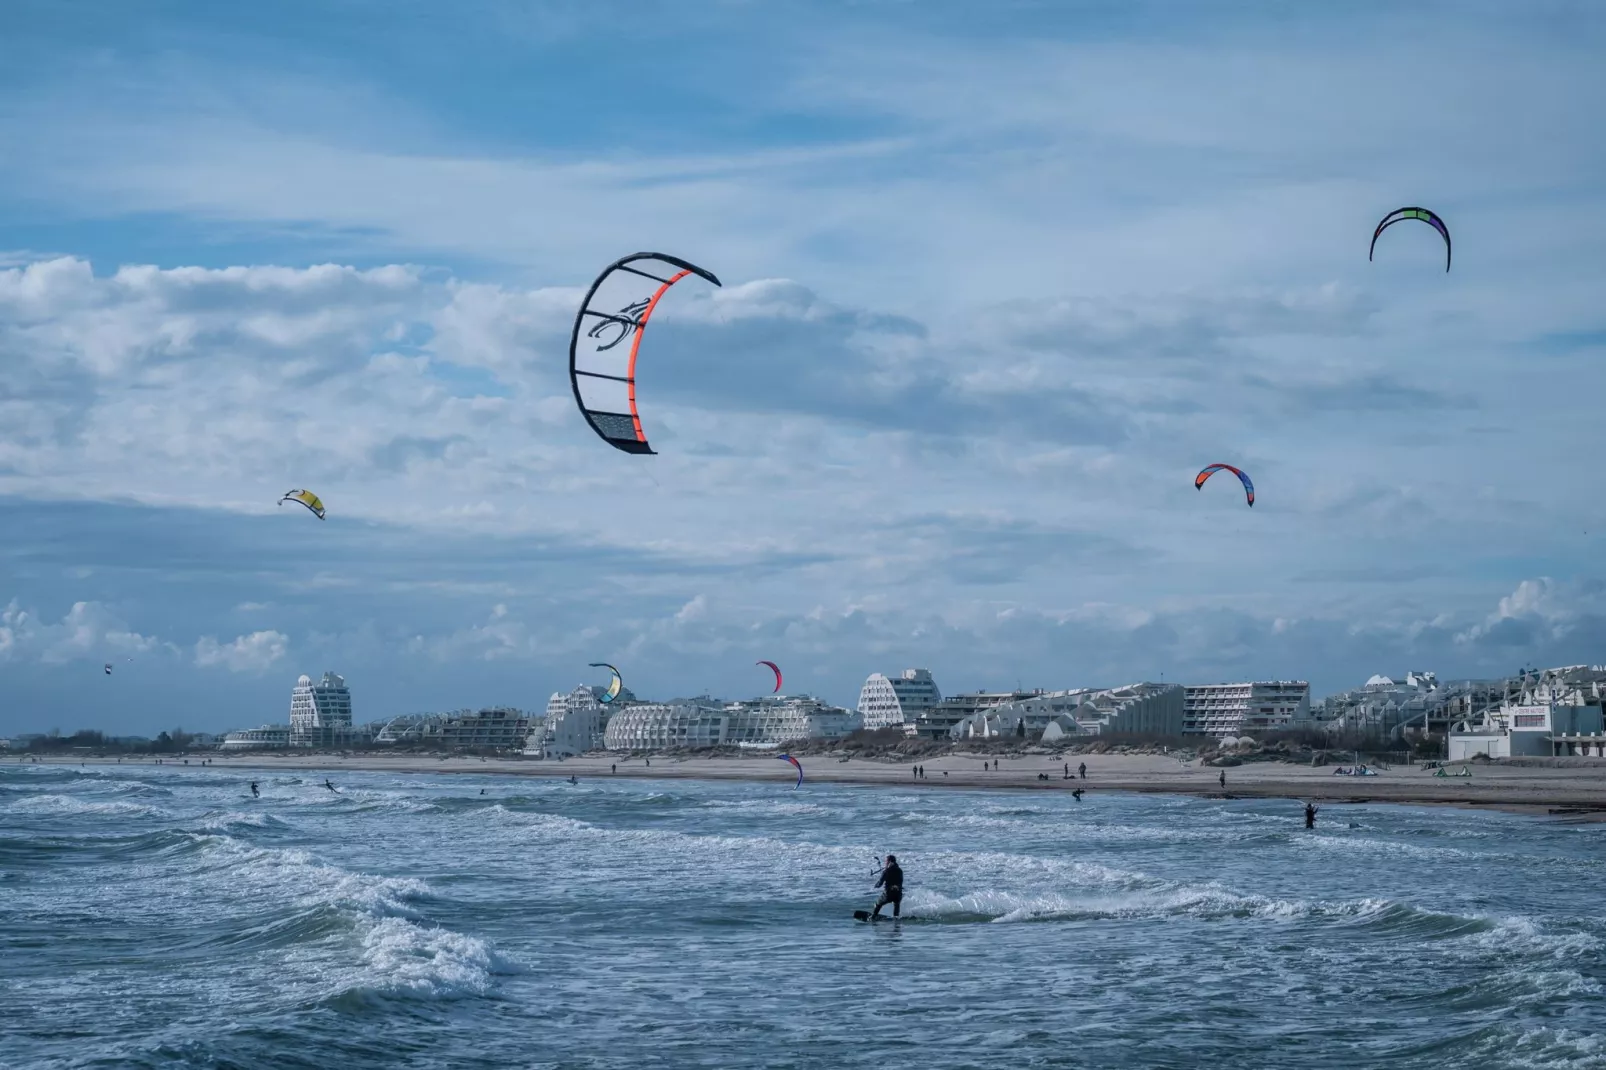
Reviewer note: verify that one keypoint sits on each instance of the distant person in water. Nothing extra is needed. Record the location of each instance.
(255, 794)
(328, 785)
(891, 884)
(573, 779)
(1310, 815)
(1077, 794)
(482, 791)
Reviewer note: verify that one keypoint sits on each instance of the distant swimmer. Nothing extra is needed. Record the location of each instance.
(1310, 815)
(891, 884)
(482, 791)
(255, 794)
(1077, 794)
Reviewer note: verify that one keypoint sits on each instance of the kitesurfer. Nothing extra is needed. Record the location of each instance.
(1077, 794)
(255, 794)
(328, 785)
(891, 884)
(573, 779)
(1310, 815)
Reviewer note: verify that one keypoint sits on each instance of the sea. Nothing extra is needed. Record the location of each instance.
(162, 917)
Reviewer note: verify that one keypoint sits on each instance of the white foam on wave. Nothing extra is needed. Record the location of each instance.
(69, 805)
(403, 958)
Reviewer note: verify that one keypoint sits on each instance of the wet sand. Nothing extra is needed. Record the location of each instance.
(1514, 789)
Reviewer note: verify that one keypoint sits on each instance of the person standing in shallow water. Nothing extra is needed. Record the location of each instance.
(1310, 815)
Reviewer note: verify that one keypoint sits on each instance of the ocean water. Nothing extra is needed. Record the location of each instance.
(162, 918)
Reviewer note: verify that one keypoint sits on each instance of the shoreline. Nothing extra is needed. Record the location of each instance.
(1518, 790)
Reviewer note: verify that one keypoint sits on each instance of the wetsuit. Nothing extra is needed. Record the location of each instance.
(891, 884)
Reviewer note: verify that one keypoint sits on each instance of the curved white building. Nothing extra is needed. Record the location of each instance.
(574, 722)
(1143, 709)
(701, 722)
(268, 737)
(897, 701)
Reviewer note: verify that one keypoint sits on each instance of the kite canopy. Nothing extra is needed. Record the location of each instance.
(614, 685)
(776, 669)
(307, 498)
(108, 668)
(795, 762)
(1425, 215)
(1210, 470)
(607, 339)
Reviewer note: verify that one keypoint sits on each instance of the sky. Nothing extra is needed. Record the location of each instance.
(998, 280)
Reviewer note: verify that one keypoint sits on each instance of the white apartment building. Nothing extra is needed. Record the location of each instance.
(268, 737)
(897, 701)
(938, 721)
(1231, 709)
(320, 713)
(1143, 708)
(702, 722)
(575, 721)
(495, 728)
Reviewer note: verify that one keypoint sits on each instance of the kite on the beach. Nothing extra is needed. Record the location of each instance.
(776, 669)
(1429, 217)
(602, 367)
(307, 498)
(614, 685)
(1210, 470)
(795, 762)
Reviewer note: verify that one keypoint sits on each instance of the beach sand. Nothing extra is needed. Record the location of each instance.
(1515, 789)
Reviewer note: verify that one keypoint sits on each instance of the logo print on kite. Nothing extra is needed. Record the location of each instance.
(626, 323)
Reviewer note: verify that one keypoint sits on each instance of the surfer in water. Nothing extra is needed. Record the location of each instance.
(1310, 815)
(255, 794)
(891, 884)
(328, 785)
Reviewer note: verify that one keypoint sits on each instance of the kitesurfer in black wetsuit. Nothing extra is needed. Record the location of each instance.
(255, 794)
(328, 785)
(891, 884)
(1310, 815)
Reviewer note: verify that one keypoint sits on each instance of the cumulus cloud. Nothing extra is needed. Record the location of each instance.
(87, 631)
(246, 653)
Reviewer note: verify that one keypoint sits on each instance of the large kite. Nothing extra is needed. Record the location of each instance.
(1430, 218)
(795, 762)
(614, 685)
(607, 339)
(307, 498)
(776, 669)
(1210, 470)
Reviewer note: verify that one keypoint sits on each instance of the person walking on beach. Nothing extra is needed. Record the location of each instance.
(1067, 770)
(614, 768)
(914, 771)
(1310, 815)
(1223, 778)
(1081, 770)
(891, 884)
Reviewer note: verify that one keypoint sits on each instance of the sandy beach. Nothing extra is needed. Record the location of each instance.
(1515, 789)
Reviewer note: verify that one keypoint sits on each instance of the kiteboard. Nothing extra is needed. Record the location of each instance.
(864, 915)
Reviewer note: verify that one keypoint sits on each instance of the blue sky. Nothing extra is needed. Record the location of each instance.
(998, 280)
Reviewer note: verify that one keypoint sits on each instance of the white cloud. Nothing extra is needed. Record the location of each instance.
(247, 653)
(88, 631)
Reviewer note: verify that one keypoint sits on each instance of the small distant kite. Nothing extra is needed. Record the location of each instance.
(614, 686)
(108, 668)
(1430, 218)
(616, 308)
(307, 498)
(1210, 470)
(776, 669)
(795, 762)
